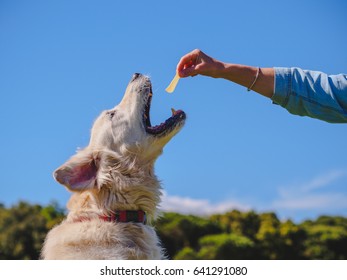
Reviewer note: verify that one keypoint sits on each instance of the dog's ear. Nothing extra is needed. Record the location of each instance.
(78, 173)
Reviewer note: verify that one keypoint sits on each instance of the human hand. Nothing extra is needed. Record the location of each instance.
(197, 62)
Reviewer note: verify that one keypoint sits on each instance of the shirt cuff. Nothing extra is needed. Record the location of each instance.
(282, 86)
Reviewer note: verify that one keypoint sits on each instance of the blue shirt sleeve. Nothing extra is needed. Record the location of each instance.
(311, 93)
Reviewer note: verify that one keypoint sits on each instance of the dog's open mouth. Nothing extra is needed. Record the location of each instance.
(174, 122)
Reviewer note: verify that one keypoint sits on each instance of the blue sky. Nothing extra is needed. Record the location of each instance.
(62, 62)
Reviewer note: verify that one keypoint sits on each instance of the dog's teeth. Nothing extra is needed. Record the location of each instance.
(173, 111)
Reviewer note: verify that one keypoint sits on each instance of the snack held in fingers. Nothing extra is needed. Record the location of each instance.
(173, 84)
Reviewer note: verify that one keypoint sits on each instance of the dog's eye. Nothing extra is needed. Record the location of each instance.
(110, 114)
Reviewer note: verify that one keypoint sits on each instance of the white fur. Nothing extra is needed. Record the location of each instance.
(114, 172)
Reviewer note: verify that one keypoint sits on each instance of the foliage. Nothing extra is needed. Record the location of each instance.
(248, 235)
(327, 238)
(233, 235)
(225, 246)
(177, 231)
(23, 228)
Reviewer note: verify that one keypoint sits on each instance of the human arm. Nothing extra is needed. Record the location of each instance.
(198, 63)
(301, 92)
(311, 93)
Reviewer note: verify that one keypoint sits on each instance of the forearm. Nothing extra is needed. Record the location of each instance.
(199, 63)
(245, 76)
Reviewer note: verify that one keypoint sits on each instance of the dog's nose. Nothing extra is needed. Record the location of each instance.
(135, 76)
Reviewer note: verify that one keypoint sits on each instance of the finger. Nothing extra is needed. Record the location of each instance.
(187, 61)
(184, 63)
(187, 72)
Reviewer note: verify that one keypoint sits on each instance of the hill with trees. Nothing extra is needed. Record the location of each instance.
(233, 235)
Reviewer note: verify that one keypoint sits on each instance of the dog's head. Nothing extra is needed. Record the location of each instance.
(122, 141)
(127, 127)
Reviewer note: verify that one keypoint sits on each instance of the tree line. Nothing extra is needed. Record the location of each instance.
(232, 235)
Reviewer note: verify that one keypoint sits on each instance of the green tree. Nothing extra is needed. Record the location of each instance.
(268, 236)
(187, 253)
(292, 241)
(23, 229)
(177, 231)
(247, 223)
(226, 247)
(327, 238)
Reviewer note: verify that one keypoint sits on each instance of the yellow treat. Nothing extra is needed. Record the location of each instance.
(173, 84)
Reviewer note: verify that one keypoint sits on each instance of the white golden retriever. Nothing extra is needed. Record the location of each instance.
(115, 192)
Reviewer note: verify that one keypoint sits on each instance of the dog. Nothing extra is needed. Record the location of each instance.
(115, 193)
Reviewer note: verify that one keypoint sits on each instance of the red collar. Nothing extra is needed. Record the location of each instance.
(122, 216)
